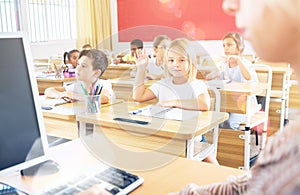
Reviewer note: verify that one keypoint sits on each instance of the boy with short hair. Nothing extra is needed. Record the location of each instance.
(92, 64)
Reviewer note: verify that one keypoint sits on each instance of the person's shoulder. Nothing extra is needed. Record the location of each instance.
(163, 82)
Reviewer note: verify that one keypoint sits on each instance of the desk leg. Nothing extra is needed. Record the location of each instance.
(190, 145)
(286, 113)
(282, 112)
(85, 129)
(81, 129)
(247, 135)
(215, 139)
(247, 149)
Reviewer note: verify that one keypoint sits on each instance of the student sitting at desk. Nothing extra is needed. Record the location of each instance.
(180, 89)
(92, 64)
(234, 68)
(134, 46)
(70, 59)
(155, 70)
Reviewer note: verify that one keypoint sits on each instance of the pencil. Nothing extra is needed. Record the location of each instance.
(87, 96)
(100, 90)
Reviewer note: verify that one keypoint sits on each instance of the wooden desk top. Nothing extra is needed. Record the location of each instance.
(243, 88)
(237, 88)
(161, 180)
(64, 111)
(124, 82)
(55, 80)
(278, 70)
(120, 67)
(68, 111)
(186, 129)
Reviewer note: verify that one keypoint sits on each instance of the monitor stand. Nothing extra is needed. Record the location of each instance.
(44, 168)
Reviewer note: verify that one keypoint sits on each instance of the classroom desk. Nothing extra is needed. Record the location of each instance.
(118, 71)
(278, 114)
(161, 180)
(237, 98)
(123, 87)
(166, 136)
(44, 83)
(61, 120)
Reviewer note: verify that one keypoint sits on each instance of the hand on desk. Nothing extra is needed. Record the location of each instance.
(170, 104)
(95, 190)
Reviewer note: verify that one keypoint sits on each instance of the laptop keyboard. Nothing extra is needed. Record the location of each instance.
(114, 180)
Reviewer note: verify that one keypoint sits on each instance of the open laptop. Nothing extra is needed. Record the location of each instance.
(23, 140)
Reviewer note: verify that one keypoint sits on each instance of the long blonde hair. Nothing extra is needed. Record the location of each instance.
(184, 47)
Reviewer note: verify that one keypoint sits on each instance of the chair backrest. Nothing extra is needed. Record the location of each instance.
(264, 74)
(279, 80)
(214, 99)
(212, 136)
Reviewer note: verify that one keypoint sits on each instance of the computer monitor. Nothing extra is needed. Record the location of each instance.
(23, 140)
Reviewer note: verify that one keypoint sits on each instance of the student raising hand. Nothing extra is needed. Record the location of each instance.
(141, 58)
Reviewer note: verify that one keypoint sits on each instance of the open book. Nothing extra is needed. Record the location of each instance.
(166, 113)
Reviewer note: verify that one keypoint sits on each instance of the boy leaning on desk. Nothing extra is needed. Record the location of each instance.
(91, 65)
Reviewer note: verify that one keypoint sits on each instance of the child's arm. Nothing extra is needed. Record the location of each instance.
(243, 67)
(201, 103)
(56, 92)
(141, 94)
(105, 96)
(215, 72)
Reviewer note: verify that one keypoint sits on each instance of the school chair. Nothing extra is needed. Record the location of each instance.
(235, 144)
(204, 149)
(280, 91)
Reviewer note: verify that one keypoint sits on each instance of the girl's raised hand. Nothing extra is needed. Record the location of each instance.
(233, 58)
(141, 57)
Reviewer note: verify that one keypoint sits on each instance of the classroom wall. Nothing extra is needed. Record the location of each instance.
(215, 26)
(53, 48)
(198, 19)
(147, 19)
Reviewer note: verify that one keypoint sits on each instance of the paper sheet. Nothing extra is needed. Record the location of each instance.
(166, 113)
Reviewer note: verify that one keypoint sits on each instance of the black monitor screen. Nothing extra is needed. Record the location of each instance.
(19, 129)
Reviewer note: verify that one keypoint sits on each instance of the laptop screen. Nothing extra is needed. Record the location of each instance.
(22, 132)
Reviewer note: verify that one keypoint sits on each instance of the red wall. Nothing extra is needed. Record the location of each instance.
(198, 19)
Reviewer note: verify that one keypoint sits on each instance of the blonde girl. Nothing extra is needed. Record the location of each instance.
(180, 88)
